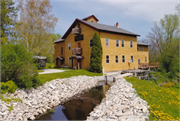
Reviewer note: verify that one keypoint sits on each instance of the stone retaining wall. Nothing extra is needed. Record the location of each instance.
(121, 103)
(38, 101)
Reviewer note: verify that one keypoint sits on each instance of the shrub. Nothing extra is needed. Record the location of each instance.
(8, 86)
(96, 55)
(17, 65)
(169, 84)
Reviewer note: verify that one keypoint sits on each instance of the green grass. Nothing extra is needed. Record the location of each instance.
(163, 101)
(48, 66)
(48, 77)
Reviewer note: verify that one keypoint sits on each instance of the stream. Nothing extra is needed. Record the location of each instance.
(77, 108)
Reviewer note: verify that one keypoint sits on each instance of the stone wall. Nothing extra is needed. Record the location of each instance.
(38, 101)
(121, 103)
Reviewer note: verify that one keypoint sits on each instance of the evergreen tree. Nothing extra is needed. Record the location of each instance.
(96, 54)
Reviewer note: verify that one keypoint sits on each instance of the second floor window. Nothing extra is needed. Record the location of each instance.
(90, 43)
(131, 44)
(69, 46)
(122, 43)
(107, 58)
(123, 59)
(61, 50)
(116, 59)
(132, 59)
(117, 43)
(107, 42)
(137, 48)
(145, 59)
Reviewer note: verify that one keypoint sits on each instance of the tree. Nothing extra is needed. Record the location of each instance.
(164, 40)
(8, 18)
(17, 65)
(35, 27)
(96, 54)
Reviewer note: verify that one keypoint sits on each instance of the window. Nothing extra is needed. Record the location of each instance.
(145, 59)
(61, 50)
(131, 44)
(69, 46)
(69, 59)
(132, 58)
(116, 59)
(142, 48)
(117, 43)
(107, 58)
(90, 43)
(107, 42)
(137, 48)
(122, 43)
(123, 59)
(139, 61)
(92, 21)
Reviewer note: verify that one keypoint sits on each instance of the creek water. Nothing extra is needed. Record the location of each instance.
(77, 108)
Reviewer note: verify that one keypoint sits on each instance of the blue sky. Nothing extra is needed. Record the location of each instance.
(136, 16)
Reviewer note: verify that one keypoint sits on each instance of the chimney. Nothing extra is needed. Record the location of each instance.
(117, 25)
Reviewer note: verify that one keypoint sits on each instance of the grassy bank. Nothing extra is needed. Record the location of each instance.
(48, 77)
(163, 101)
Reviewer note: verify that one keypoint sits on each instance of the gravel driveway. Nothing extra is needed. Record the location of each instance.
(47, 71)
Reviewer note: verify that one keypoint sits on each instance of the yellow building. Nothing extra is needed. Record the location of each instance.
(121, 50)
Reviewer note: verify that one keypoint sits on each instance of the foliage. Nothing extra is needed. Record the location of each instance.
(8, 15)
(169, 84)
(35, 27)
(48, 65)
(17, 65)
(164, 48)
(163, 101)
(10, 108)
(8, 86)
(96, 54)
(9, 99)
(52, 110)
(66, 74)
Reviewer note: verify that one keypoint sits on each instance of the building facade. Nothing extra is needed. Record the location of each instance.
(121, 50)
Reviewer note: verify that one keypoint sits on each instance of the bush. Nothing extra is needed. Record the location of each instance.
(8, 86)
(169, 84)
(96, 55)
(17, 65)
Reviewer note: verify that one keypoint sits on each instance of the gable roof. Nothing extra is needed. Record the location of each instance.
(142, 43)
(99, 27)
(90, 17)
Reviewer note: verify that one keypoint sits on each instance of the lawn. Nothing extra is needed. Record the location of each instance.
(48, 77)
(163, 101)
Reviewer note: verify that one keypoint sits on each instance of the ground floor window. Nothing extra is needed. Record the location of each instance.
(116, 59)
(145, 59)
(107, 58)
(123, 58)
(132, 59)
(69, 59)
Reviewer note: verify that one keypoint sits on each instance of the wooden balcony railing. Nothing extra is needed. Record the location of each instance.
(76, 31)
(148, 65)
(76, 51)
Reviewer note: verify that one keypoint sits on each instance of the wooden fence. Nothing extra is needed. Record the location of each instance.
(148, 65)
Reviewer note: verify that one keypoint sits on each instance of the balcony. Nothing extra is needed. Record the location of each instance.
(76, 31)
(77, 51)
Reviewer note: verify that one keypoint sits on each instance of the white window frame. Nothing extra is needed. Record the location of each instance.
(108, 58)
(90, 42)
(132, 58)
(131, 44)
(139, 61)
(69, 60)
(107, 42)
(122, 43)
(124, 59)
(145, 59)
(116, 59)
(117, 43)
(142, 48)
(69, 46)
